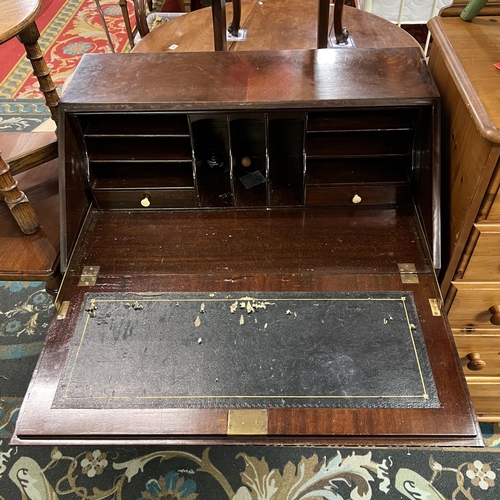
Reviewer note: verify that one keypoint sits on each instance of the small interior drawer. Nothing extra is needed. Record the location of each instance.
(470, 309)
(138, 199)
(356, 195)
(484, 264)
(483, 352)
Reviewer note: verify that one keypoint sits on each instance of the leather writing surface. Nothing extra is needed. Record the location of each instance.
(201, 350)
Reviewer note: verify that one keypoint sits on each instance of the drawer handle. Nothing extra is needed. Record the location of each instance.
(145, 202)
(356, 199)
(475, 362)
(495, 311)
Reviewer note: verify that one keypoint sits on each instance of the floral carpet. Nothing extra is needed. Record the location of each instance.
(68, 29)
(220, 472)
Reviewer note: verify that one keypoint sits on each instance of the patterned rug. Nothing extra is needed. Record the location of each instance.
(221, 472)
(68, 29)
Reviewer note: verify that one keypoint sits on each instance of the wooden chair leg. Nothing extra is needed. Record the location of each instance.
(219, 22)
(235, 24)
(29, 38)
(323, 20)
(17, 201)
(126, 19)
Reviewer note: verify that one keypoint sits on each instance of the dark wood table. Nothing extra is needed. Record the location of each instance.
(272, 25)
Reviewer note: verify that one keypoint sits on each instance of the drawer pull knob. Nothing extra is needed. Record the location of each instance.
(495, 311)
(475, 362)
(356, 199)
(145, 201)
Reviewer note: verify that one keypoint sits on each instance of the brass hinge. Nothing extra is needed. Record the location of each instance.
(435, 308)
(89, 276)
(408, 273)
(246, 422)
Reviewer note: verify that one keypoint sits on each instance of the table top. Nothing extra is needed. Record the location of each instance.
(272, 25)
(470, 50)
(16, 16)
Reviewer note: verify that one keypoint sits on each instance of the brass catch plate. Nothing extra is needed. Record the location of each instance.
(408, 273)
(246, 422)
(436, 310)
(62, 310)
(89, 276)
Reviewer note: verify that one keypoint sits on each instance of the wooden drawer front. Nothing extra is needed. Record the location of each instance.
(135, 199)
(488, 349)
(362, 196)
(470, 308)
(486, 399)
(484, 264)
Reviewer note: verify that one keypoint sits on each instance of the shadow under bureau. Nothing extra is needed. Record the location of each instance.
(248, 242)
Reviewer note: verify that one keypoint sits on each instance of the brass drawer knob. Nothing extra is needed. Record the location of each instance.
(356, 199)
(145, 202)
(495, 311)
(475, 362)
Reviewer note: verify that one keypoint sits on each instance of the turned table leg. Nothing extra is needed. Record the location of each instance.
(29, 38)
(17, 201)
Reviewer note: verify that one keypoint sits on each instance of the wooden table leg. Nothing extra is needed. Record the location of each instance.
(17, 201)
(29, 38)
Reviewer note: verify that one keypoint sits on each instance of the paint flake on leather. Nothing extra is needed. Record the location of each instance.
(248, 350)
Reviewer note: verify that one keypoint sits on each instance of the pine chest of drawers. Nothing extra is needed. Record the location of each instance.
(461, 62)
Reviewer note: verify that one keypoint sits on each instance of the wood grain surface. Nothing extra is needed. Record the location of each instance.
(272, 25)
(16, 16)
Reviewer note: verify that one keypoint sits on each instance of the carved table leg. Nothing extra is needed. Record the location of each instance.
(17, 201)
(29, 38)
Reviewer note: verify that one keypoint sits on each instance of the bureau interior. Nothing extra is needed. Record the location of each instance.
(244, 160)
(335, 158)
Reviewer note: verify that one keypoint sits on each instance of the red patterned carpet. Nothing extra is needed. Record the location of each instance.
(69, 28)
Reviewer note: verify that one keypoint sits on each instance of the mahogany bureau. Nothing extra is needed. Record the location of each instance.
(462, 61)
(248, 246)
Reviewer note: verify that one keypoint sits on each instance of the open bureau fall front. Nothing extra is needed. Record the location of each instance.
(249, 243)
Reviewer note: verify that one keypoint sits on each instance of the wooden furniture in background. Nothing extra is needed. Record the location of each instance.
(492, 8)
(461, 62)
(272, 25)
(35, 256)
(16, 200)
(156, 198)
(18, 19)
